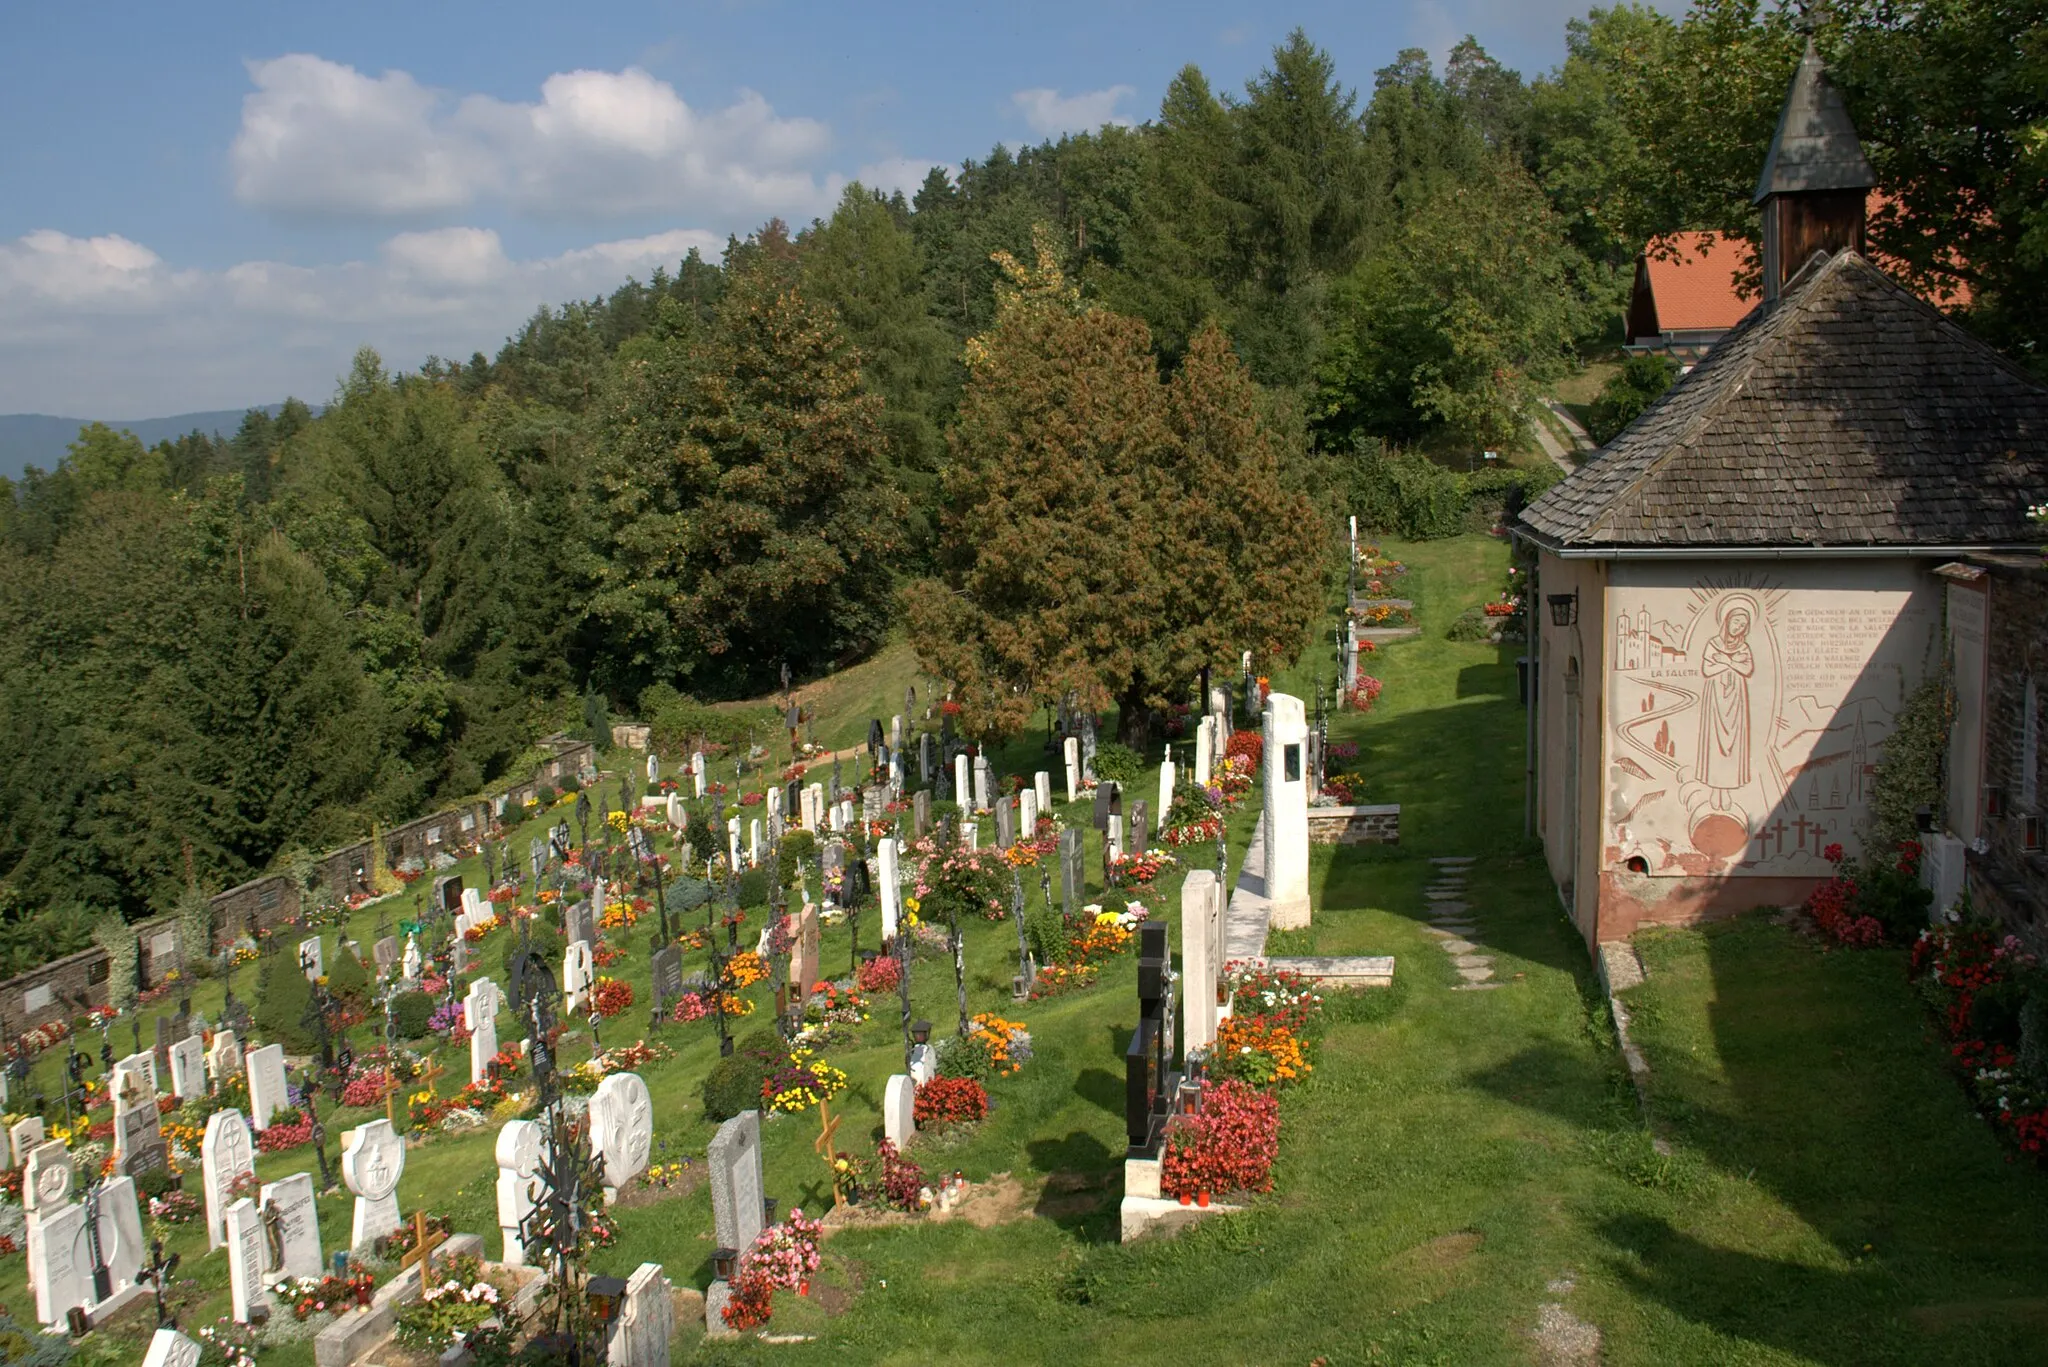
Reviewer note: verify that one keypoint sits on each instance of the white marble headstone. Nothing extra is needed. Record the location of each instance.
(899, 1110)
(312, 957)
(169, 1348)
(518, 1154)
(889, 883)
(577, 975)
(1071, 753)
(622, 1128)
(298, 1226)
(647, 1321)
(224, 1057)
(267, 1091)
(225, 1153)
(246, 1289)
(1286, 814)
(371, 1164)
(188, 1068)
(46, 1177)
(23, 1136)
(483, 1046)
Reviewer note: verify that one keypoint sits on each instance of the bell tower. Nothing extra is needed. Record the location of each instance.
(1815, 179)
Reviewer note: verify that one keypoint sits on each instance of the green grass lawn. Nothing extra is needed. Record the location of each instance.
(1454, 1163)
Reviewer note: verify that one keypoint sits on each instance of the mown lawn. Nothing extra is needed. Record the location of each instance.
(1457, 1160)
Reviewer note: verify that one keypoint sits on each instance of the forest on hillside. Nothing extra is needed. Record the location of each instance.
(217, 652)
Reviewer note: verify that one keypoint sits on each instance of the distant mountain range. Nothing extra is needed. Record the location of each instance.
(39, 439)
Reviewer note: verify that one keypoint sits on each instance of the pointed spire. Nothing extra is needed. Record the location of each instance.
(1815, 147)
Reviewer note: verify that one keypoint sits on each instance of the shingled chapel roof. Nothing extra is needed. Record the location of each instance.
(1849, 414)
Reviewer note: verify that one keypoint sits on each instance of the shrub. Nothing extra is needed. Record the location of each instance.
(796, 845)
(569, 784)
(346, 976)
(1117, 763)
(412, 1011)
(950, 1101)
(281, 1002)
(966, 1056)
(734, 1084)
(545, 793)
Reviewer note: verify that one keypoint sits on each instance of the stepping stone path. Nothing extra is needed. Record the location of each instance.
(1448, 923)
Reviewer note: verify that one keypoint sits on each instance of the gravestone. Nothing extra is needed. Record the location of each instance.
(1112, 843)
(1205, 750)
(1141, 826)
(161, 1051)
(1201, 955)
(889, 879)
(647, 1321)
(970, 836)
(188, 1068)
(1071, 753)
(267, 1092)
(60, 1253)
(927, 758)
(312, 957)
(1286, 814)
(577, 976)
(1169, 773)
(483, 1043)
(385, 953)
(665, 971)
(676, 817)
(1027, 815)
(22, 1136)
(1149, 1080)
(622, 1129)
(373, 1158)
(697, 774)
(409, 963)
(1073, 885)
(1087, 747)
(138, 1135)
(1006, 825)
(518, 1155)
(227, 1154)
(291, 1225)
(224, 1056)
(984, 784)
(963, 791)
(142, 1065)
(46, 1177)
(920, 814)
(899, 1110)
(754, 842)
(805, 953)
(246, 1290)
(1105, 803)
(169, 1348)
(737, 1186)
(1041, 784)
(578, 923)
(732, 843)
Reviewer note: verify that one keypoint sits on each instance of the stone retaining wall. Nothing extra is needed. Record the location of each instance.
(1375, 825)
(67, 987)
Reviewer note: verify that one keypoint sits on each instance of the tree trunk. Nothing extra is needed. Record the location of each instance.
(1134, 718)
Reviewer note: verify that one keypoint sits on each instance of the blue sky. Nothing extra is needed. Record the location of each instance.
(209, 205)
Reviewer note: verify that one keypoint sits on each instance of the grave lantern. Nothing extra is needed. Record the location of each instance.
(920, 1032)
(725, 1264)
(606, 1297)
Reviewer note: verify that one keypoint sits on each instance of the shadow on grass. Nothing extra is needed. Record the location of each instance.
(1101, 1087)
(1081, 1185)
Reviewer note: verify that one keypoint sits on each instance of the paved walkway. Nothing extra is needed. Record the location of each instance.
(1450, 922)
(1249, 915)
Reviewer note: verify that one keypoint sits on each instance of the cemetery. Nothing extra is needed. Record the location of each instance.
(1360, 997)
(576, 1088)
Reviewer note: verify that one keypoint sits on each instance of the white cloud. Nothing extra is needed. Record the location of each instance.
(318, 137)
(1049, 114)
(102, 326)
(900, 173)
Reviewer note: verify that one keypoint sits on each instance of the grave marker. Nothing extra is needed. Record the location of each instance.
(188, 1068)
(889, 878)
(291, 1227)
(245, 1261)
(1149, 1082)
(1286, 814)
(646, 1322)
(899, 1110)
(169, 1348)
(622, 1129)
(518, 1155)
(734, 1157)
(227, 1154)
(578, 973)
(267, 1088)
(371, 1163)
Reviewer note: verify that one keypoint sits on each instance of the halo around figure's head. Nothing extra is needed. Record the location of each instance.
(1734, 603)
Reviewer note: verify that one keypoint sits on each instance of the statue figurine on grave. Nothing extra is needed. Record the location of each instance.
(273, 1236)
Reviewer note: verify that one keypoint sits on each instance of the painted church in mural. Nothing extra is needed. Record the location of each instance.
(1737, 595)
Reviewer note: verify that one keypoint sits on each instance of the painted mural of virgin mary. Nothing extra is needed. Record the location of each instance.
(1727, 672)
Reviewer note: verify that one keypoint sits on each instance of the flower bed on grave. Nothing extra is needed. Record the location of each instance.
(1984, 985)
(801, 1083)
(945, 1101)
(957, 883)
(1142, 867)
(288, 1128)
(783, 1257)
(829, 1015)
(1270, 1036)
(449, 1311)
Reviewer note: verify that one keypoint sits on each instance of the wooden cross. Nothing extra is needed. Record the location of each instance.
(433, 1071)
(425, 1241)
(828, 1129)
